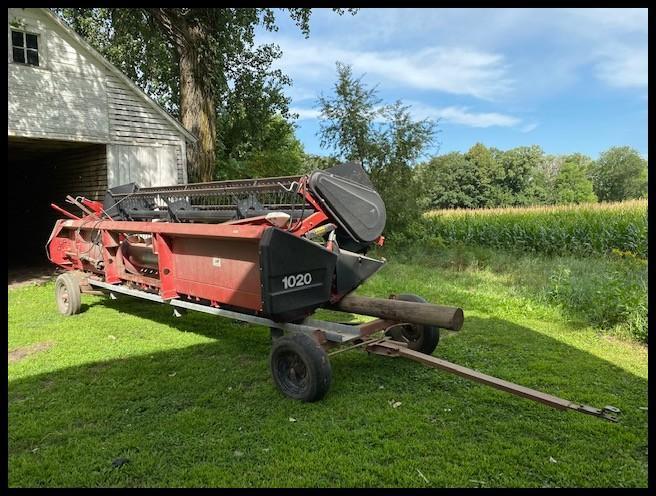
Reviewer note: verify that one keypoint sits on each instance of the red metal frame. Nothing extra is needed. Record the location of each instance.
(188, 254)
(183, 251)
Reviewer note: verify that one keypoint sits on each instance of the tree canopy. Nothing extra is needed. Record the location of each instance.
(620, 173)
(202, 65)
(488, 177)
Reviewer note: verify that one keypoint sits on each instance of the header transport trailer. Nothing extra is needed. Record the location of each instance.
(266, 251)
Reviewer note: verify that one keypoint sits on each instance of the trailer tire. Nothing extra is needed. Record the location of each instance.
(300, 367)
(422, 338)
(68, 294)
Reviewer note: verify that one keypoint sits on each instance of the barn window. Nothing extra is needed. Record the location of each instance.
(25, 47)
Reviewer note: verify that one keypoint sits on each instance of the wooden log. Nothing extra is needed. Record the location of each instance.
(403, 311)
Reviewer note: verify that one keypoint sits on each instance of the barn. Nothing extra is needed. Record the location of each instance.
(75, 125)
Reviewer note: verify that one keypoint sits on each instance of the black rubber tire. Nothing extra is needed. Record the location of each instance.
(276, 333)
(300, 367)
(422, 338)
(68, 295)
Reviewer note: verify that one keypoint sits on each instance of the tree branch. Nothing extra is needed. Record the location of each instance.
(172, 24)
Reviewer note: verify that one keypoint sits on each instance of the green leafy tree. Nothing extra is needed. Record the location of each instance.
(193, 60)
(347, 117)
(451, 181)
(313, 162)
(572, 184)
(278, 153)
(582, 161)
(620, 173)
(549, 184)
(385, 139)
(491, 175)
(398, 143)
(540, 187)
(518, 165)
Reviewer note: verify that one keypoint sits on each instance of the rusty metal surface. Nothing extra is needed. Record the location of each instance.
(392, 348)
(227, 231)
(358, 345)
(373, 326)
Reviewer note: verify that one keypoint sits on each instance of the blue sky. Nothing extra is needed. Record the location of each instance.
(566, 79)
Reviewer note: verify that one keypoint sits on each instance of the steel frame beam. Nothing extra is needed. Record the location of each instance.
(331, 331)
(394, 348)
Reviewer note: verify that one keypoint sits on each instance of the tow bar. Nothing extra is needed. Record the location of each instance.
(386, 347)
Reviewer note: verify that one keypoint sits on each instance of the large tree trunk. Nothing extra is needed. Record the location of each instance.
(198, 115)
(197, 106)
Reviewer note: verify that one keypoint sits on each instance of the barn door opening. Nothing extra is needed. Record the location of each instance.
(42, 172)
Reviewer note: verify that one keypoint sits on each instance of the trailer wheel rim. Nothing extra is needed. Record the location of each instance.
(63, 297)
(406, 333)
(292, 372)
(411, 333)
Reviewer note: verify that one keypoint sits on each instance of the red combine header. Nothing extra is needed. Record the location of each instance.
(267, 251)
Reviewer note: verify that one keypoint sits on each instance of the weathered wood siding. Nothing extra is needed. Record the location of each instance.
(63, 98)
(73, 95)
(144, 165)
(79, 172)
(135, 125)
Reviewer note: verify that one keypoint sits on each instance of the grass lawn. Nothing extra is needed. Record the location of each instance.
(123, 394)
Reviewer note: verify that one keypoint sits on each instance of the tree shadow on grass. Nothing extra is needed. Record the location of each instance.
(209, 414)
(498, 345)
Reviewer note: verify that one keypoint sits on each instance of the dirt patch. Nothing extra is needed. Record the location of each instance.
(25, 276)
(24, 351)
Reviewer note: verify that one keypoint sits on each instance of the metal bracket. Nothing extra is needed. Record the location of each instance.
(607, 412)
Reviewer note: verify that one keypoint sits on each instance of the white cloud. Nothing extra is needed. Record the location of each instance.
(455, 70)
(624, 67)
(452, 114)
(484, 53)
(305, 113)
(599, 22)
(300, 94)
(463, 116)
(529, 127)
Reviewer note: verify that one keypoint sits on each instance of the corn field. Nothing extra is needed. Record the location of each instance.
(595, 228)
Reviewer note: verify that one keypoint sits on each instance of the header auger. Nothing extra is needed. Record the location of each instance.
(266, 251)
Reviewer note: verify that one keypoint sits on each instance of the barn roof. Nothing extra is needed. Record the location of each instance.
(117, 72)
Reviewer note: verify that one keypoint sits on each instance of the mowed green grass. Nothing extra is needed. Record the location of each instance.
(190, 401)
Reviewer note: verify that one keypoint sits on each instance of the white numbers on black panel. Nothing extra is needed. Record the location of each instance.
(296, 280)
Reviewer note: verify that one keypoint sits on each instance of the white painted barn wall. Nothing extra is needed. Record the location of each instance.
(133, 124)
(73, 96)
(63, 98)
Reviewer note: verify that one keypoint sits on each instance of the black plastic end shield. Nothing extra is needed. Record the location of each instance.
(296, 274)
(353, 269)
(351, 199)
